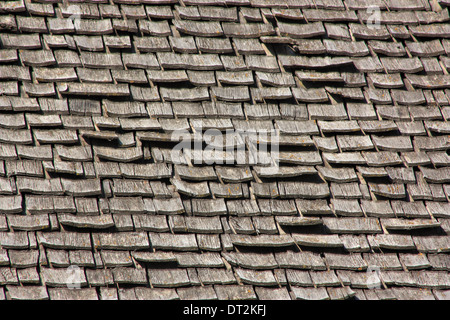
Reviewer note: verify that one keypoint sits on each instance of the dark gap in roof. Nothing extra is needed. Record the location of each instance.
(12, 112)
(176, 84)
(349, 100)
(385, 251)
(317, 84)
(429, 166)
(245, 249)
(390, 133)
(159, 19)
(133, 285)
(439, 134)
(381, 198)
(68, 96)
(336, 97)
(97, 289)
(321, 250)
(324, 69)
(10, 63)
(288, 20)
(295, 148)
(185, 197)
(63, 175)
(378, 180)
(288, 148)
(311, 178)
(277, 101)
(158, 265)
(348, 68)
(420, 73)
(271, 48)
(315, 229)
(68, 228)
(6, 30)
(122, 50)
(61, 126)
(435, 231)
(164, 180)
(158, 144)
(347, 133)
(125, 33)
(102, 142)
(283, 49)
(338, 165)
(291, 249)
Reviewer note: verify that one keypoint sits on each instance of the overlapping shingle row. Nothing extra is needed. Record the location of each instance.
(97, 202)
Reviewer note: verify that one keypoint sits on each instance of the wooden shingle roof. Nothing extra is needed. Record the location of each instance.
(97, 97)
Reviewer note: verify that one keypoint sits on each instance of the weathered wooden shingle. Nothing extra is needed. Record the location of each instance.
(142, 293)
(409, 224)
(391, 241)
(251, 260)
(235, 292)
(301, 31)
(303, 190)
(216, 276)
(61, 277)
(28, 293)
(345, 262)
(247, 30)
(168, 277)
(432, 244)
(20, 41)
(95, 89)
(326, 241)
(300, 293)
(68, 240)
(352, 225)
(173, 242)
(262, 240)
(121, 241)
